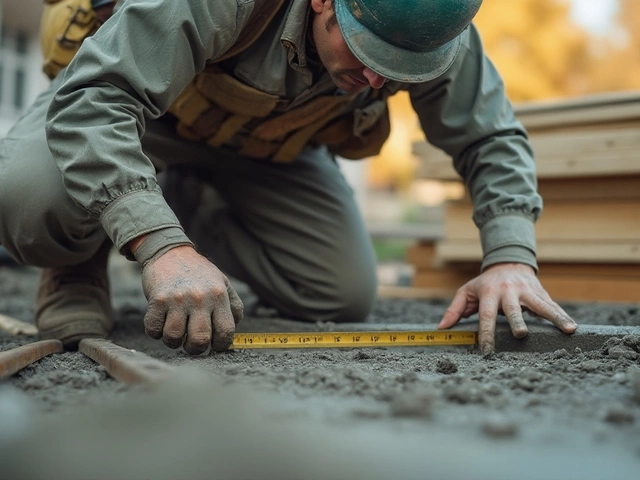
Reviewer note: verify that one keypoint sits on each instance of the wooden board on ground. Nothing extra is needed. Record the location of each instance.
(392, 291)
(593, 221)
(590, 136)
(561, 287)
(549, 251)
(590, 188)
(418, 231)
(14, 326)
(571, 269)
(559, 153)
(422, 255)
(592, 109)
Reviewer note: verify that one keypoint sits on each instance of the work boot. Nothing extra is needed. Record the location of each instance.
(74, 302)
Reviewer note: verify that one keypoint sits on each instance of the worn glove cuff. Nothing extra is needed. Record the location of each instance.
(160, 242)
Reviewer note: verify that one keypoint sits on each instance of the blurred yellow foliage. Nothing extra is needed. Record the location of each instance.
(534, 45)
(395, 165)
(541, 54)
(615, 61)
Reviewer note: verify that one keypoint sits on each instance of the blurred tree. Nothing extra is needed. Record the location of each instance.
(535, 46)
(541, 54)
(395, 166)
(615, 61)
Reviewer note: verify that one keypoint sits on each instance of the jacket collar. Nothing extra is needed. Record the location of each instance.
(294, 35)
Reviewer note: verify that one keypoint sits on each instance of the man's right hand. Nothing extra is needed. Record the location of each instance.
(191, 302)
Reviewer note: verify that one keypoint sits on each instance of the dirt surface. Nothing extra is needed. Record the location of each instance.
(358, 413)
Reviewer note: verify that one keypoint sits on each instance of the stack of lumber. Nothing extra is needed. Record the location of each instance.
(588, 163)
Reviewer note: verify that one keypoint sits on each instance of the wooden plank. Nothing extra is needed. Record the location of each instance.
(13, 326)
(559, 153)
(590, 188)
(587, 188)
(560, 287)
(578, 117)
(447, 279)
(601, 108)
(588, 270)
(14, 360)
(418, 231)
(127, 366)
(572, 269)
(389, 291)
(549, 251)
(422, 255)
(603, 289)
(596, 221)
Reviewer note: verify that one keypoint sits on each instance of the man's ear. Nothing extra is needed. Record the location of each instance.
(319, 6)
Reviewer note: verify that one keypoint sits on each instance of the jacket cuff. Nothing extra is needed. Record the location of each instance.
(134, 214)
(159, 242)
(510, 255)
(508, 238)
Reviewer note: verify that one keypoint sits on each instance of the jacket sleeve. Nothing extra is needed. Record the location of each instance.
(465, 112)
(130, 71)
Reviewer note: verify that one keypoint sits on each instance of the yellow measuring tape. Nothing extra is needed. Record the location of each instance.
(353, 339)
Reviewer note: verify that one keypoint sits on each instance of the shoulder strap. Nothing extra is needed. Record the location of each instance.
(262, 14)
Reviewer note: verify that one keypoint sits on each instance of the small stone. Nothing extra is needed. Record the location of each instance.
(493, 389)
(534, 402)
(619, 351)
(361, 356)
(577, 351)
(367, 413)
(407, 378)
(590, 365)
(413, 404)
(464, 394)
(600, 436)
(446, 366)
(499, 427)
(620, 378)
(619, 415)
(632, 341)
(530, 374)
(561, 353)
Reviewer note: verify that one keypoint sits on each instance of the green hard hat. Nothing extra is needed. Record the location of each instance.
(405, 40)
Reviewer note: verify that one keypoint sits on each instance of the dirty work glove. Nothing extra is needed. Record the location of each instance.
(191, 302)
(507, 288)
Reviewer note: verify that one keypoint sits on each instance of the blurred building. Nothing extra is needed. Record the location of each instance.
(21, 77)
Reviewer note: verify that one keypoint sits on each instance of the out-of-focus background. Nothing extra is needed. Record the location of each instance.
(550, 52)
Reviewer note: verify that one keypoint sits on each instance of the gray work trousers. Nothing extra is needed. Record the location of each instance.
(292, 232)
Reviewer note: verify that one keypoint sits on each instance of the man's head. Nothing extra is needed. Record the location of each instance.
(404, 40)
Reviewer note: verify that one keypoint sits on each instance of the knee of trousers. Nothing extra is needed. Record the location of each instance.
(39, 223)
(346, 298)
(354, 300)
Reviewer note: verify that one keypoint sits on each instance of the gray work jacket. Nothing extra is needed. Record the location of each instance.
(140, 60)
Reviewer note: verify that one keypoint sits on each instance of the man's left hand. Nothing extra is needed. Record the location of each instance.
(507, 288)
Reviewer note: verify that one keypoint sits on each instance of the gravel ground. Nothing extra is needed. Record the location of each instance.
(358, 413)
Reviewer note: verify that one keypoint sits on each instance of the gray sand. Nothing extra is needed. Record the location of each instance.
(358, 413)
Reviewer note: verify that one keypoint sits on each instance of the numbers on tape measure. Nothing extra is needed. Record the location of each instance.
(352, 339)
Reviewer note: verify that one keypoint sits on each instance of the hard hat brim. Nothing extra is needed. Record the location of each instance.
(393, 62)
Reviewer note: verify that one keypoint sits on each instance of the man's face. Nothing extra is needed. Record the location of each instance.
(346, 71)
